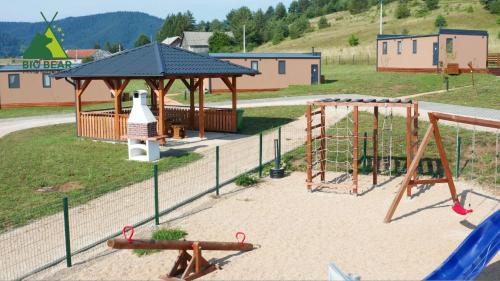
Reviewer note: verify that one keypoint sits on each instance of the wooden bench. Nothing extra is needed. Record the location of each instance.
(452, 69)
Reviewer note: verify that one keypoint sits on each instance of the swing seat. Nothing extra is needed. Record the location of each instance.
(457, 208)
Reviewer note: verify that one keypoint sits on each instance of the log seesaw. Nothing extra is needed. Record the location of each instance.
(186, 267)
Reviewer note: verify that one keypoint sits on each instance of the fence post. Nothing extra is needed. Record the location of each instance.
(260, 155)
(352, 59)
(459, 144)
(364, 152)
(279, 141)
(157, 207)
(66, 231)
(217, 170)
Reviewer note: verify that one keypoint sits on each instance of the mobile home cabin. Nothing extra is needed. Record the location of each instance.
(278, 70)
(452, 49)
(23, 88)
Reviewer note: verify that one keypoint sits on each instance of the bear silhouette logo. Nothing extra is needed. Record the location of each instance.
(38, 48)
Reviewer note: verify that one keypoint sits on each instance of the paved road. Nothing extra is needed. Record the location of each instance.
(423, 105)
(10, 125)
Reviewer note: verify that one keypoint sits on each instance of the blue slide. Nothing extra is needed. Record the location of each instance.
(472, 256)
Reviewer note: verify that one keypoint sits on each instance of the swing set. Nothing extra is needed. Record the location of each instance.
(433, 130)
(338, 146)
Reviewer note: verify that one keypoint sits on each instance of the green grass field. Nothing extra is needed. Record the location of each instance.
(41, 165)
(364, 79)
(487, 96)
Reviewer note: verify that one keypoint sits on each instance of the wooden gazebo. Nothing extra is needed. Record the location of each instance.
(159, 65)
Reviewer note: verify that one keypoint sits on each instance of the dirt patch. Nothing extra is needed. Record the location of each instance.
(72, 185)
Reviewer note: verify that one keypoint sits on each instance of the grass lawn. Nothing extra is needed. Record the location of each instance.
(360, 79)
(488, 94)
(256, 120)
(39, 166)
(480, 167)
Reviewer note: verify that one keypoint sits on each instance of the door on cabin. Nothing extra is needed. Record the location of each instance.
(435, 53)
(314, 74)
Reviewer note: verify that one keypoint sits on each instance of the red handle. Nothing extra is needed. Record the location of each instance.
(124, 231)
(238, 234)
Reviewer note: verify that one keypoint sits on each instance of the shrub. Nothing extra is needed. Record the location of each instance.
(440, 21)
(402, 11)
(470, 10)
(299, 27)
(432, 4)
(422, 11)
(162, 234)
(353, 40)
(323, 23)
(246, 180)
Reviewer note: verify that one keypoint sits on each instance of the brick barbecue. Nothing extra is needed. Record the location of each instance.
(141, 122)
(141, 130)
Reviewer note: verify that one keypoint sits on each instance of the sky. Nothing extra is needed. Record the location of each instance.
(29, 10)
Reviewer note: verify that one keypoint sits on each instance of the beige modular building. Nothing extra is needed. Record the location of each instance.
(277, 70)
(23, 88)
(428, 53)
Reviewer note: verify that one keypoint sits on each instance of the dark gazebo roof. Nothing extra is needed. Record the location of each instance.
(156, 60)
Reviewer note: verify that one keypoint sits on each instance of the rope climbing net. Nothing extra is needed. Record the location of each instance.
(333, 149)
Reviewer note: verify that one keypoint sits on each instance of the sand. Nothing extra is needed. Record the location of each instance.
(300, 233)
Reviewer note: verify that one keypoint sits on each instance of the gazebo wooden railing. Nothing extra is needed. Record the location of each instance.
(100, 124)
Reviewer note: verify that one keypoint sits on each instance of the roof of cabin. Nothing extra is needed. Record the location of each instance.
(441, 31)
(315, 55)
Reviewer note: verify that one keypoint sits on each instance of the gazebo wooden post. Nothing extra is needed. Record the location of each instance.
(234, 112)
(192, 109)
(161, 109)
(201, 111)
(79, 89)
(154, 101)
(117, 86)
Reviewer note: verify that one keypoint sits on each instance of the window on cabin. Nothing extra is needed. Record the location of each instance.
(449, 45)
(46, 81)
(255, 65)
(384, 48)
(14, 81)
(400, 47)
(281, 67)
(414, 46)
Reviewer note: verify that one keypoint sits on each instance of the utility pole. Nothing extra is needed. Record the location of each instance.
(244, 39)
(381, 17)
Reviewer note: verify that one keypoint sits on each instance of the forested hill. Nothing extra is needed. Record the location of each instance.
(81, 32)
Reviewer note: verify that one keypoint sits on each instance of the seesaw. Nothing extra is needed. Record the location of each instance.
(186, 267)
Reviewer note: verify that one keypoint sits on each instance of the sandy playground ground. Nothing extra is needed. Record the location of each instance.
(300, 233)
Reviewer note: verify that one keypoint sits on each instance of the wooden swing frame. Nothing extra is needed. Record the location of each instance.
(411, 137)
(433, 130)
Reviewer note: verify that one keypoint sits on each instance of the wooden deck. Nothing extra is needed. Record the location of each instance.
(100, 124)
